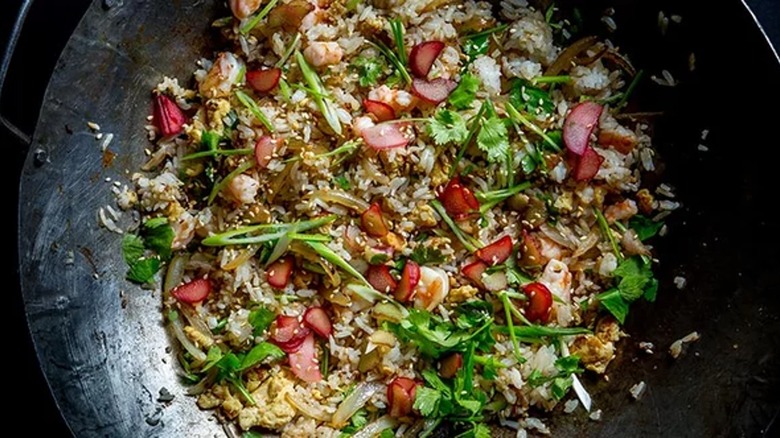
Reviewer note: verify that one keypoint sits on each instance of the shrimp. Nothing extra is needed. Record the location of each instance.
(433, 287)
(320, 53)
(221, 77)
(399, 100)
(621, 211)
(244, 8)
(360, 124)
(613, 134)
(558, 279)
(243, 189)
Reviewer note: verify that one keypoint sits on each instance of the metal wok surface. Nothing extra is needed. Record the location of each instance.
(101, 342)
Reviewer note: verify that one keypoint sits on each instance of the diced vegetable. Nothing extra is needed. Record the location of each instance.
(385, 136)
(410, 276)
(288, 333)
(279, 272)
(381, 279)
(449, 366)
(435, 91)
(168, 117)
(193, 292)
(264, 150)
(588, 165)
(473, 271)
(317, 319)
(303, 362)
(458, 200)
(422, 57)
(264, 80)
(539, 302)
(382, 111)
(497, 252)
(400, 396)
(372, 221)
(579, 125)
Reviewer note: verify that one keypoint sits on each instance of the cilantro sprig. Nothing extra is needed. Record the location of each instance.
(144, 253)
(633, 280)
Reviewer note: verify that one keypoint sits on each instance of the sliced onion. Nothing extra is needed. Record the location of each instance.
(556, 236)
(339, 197)
(374, 429)
(175, 273)
(204, 384)
(243, 256)
(178, 332)
(195, 320)
(565, 59)
(585, 245)
(354, 402)
(306, 408)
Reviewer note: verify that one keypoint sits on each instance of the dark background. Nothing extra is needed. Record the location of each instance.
(47, 28)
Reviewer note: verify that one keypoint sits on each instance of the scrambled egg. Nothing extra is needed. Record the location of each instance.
(596, 351)
(272, 410)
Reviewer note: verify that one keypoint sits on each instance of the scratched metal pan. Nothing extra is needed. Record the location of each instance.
(103, 348)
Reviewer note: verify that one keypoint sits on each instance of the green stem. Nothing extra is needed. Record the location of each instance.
(607, 231)
(492, 198)
(309, 237)
(289, 51)
(246, 28)
(215, 152)
(276, 232)
(487, 32)
(393, 60)
(224, 181)
(398, 35)
(551, 79)
(515, 116)
(510, 324)
(251, 105)
(472, 131)
(631, 87)
(347, 148)
(514, 309)
(329, 255)
(321, 96)
(468, 242)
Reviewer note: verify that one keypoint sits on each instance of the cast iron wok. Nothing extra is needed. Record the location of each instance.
(101, 342)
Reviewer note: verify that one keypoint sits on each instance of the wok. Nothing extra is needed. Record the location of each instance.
(101, 342)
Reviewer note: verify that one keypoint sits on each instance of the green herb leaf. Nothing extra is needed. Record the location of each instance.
(447, 126)
(423, 255)
(615, 304)
(634, 273)
(645, 227)
(143, 270)
(426, 400)
(342, 182)
(531, 99)
(568, 365)
(259, 353)
(158, 236)
(369, 70)
(465, 93)
(493, 139)
(560, 386)
(214, 355)
(651, 290)
(434, 337)
(261, 318)
(132, 248)
(209, 140)
(387, 433)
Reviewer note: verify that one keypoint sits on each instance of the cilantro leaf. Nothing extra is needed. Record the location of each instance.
(434, 337)
(560, 386)
(480, 430)
(387, 433)
(531, 99)
(634, 274)
(615, 304)
(369, 69)
(209, 140)
(493, 139)
(465, 93)
(475, 47)
(342, 181)
(132, 248)
(261, 318)
(426, 400)
(423, 255)
(568, 365)
(651, 290)
(158, 236)
(645, 227)
(214, 355)
(259, 353)
(143, 270)
(447, 126)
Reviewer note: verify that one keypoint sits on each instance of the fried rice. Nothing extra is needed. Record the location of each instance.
(375, 218)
